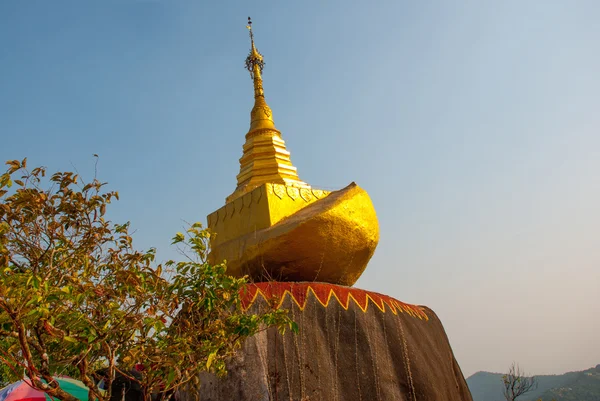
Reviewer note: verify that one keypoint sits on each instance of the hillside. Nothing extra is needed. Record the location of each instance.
(571, 386)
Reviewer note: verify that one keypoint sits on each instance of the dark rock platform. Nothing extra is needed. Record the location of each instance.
(352, 345)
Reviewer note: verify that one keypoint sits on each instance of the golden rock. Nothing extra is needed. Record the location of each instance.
(329, 240)
(275, 226)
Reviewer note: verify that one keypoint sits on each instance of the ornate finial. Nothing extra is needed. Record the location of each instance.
(261, 115)
(254, 61)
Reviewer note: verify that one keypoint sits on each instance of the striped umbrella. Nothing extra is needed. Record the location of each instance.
(23, 391)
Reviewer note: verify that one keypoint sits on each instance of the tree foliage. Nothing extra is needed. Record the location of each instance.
(77, 298)
(516, 383)
(5, 375)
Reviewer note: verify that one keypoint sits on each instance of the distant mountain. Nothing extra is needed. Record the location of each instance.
(572, 386)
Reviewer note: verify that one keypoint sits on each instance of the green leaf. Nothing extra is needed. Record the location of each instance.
(179, 237)
(171, 376)
(210, 359)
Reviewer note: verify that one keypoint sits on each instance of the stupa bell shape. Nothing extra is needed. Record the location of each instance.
(275, 226)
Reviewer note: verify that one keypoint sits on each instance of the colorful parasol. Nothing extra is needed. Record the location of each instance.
(23, 391)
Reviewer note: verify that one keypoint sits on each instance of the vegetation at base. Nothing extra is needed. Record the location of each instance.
(5, 376)
(571, 386)
(76, 297)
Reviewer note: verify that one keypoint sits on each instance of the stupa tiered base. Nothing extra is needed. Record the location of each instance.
(328, 240)
(351, 345)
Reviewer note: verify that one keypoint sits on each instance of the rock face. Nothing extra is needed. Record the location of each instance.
(351, 345)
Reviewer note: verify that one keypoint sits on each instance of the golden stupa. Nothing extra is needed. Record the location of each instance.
(275, 226)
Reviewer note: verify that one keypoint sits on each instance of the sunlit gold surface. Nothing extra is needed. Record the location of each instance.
(274, 226)
(328, 240)
(260, 208)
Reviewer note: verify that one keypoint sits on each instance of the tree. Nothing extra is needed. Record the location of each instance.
(516, 383)
(77, 298)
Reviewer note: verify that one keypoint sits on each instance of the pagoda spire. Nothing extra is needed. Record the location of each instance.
(261, 116)
(265, 158)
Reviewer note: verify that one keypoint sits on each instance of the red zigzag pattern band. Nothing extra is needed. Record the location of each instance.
(276, 292)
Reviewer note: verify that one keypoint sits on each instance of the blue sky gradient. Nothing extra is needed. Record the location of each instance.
(474, 126)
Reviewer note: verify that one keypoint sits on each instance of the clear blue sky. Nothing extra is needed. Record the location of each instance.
(474, 126)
